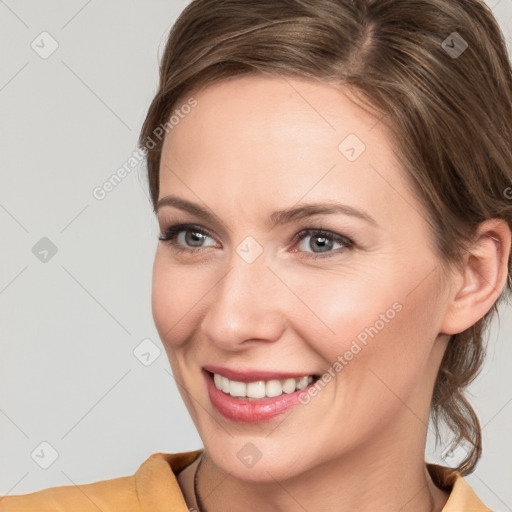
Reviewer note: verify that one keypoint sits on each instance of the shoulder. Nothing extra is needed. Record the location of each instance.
(153, 487)
(462, 497)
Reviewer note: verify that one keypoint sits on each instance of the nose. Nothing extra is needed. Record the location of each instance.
(247, 305)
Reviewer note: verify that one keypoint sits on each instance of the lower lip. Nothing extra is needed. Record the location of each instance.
(250, 411)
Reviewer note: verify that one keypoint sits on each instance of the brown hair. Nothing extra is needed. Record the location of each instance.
(450, 116)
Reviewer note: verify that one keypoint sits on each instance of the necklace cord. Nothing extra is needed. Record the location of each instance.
(196, 492)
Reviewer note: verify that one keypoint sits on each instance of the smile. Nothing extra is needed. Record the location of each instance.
(255, 401)
(260, 389)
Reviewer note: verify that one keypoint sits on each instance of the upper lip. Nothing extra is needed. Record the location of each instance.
(253, 375)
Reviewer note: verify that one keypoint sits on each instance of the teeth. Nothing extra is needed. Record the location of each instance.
(260, 389)
(273, 388)
(288, 385)
(303, 382)
(255, 389)
(237, 388)
(225, 385)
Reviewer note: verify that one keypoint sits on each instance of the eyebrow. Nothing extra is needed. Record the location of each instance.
(275, 218)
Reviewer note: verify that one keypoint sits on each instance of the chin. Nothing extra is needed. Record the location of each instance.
(244, 461)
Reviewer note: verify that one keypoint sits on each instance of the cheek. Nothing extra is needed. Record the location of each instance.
(176, 293)
(378, 356)
(381, 324)
(339, 304)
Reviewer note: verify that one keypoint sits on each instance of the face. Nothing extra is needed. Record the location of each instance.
(349, 289)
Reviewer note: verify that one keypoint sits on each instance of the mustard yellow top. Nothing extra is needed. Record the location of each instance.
(154, 488)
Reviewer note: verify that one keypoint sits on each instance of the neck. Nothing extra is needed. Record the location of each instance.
(386, 480)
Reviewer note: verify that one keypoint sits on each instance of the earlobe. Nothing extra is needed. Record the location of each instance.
(482, 277)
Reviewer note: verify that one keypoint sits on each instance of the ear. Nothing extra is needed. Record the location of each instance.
(479, 283)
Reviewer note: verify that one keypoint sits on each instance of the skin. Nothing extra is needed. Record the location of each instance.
(254, 145)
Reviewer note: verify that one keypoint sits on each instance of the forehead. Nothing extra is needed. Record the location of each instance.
(275, 110)
(250, 136)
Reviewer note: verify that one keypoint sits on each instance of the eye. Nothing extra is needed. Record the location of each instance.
(191, 238)
(186, 237)
(322, 241)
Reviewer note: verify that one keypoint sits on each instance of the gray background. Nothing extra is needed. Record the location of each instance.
(68, 373)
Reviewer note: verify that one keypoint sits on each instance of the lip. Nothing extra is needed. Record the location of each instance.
(252, 375)
(250, 411)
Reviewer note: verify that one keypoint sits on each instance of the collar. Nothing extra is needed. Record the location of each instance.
(158, 489)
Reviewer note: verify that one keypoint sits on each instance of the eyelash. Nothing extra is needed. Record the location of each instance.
(170, 234)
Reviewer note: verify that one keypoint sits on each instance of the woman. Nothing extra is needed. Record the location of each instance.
(332, 184)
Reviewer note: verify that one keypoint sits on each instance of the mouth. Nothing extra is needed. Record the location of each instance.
(255, 401)
(260, 389)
